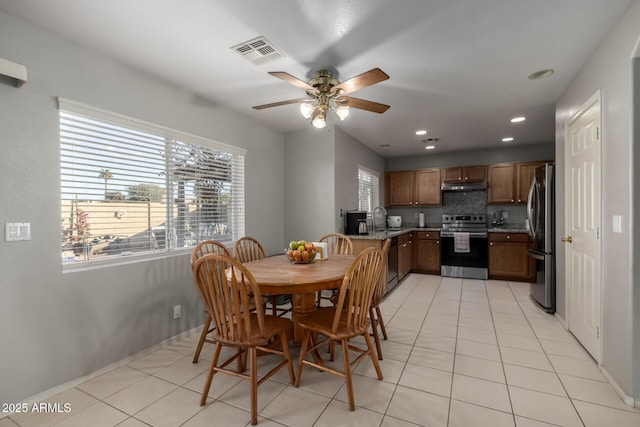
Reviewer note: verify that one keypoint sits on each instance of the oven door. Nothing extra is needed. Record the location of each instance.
(470, 265)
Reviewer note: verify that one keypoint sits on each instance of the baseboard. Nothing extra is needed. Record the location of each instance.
(564, 324)
(628, 400)
(69, 384)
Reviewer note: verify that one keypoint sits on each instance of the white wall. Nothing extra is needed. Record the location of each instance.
(350, 154)
(609, 70)
(309, 183)
(508, 153)
(54, 326)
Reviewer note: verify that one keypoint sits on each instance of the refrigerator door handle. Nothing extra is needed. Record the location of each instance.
(536, 255)
(530, 216)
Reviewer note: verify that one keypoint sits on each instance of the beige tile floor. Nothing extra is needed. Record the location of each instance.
(460, 353)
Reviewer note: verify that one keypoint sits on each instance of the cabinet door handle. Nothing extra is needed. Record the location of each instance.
(491, 244)
(437, 242)
(512, 201)
(508, 237)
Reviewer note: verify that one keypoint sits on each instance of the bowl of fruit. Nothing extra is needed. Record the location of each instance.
(301, 252)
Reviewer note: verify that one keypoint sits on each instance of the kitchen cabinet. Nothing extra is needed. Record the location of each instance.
(501, 183)
(427, 252)
(464, 174)
(524, 175)
(405, 253)
(509, 182)
(413, 188)
(508, 257)
(401, 187)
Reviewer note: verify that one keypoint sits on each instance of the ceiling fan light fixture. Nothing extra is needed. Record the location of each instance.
(342, 111)
(318, 118)
(306, 109)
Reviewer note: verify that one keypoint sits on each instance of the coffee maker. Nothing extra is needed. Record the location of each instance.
(352, 222)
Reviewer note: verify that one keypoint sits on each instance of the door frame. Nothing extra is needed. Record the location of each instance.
(596, 98)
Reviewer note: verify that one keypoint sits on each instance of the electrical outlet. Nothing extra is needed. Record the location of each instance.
(505, 214)
(177, 311)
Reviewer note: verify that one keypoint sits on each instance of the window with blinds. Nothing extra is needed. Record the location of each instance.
(132, 188)
(368, 189)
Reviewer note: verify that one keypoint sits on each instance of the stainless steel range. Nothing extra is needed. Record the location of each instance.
(464, 250)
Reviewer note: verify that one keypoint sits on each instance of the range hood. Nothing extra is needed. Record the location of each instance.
(464, 186)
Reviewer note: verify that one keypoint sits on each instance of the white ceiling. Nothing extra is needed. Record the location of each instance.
(457, 68)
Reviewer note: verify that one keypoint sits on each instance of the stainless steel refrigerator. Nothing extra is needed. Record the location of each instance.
(541, 214)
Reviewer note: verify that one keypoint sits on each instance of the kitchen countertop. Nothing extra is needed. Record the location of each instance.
(385, 234)
(507, 229)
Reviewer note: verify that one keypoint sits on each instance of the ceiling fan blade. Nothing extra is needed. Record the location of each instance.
(369, 78)
(277, 104)
(363, 104)
(291, 80)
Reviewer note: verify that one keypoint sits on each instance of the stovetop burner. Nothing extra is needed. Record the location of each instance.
(476, 223)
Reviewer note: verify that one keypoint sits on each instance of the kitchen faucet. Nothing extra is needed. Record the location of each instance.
(373, 215)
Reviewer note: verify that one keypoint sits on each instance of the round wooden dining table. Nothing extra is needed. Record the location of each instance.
(277, 275)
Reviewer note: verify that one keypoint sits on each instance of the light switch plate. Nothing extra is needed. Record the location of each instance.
(617, 224)
(14, 231)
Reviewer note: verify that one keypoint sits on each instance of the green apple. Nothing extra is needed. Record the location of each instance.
(301, 243)
(293, 244)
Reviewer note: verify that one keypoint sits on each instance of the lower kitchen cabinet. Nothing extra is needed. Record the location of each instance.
(508, 257)
(427, 252)
(405, 253)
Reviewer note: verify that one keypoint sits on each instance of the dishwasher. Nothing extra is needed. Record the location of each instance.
(392, 265)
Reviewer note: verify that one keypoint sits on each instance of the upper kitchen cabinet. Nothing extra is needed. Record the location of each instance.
(524, 175)
(509, 182)
(400, 188)
(428, 187)
(413, 188)
(501, 183)
(464, 174)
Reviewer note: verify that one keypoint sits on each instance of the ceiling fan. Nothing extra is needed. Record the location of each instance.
(325, 92)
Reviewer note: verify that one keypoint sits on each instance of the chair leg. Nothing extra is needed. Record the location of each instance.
(374, 360)
(347, 373)
(253, 375)
(376, 338)
(381, 321)
(212, 371)
(303, 351)
(203, 336)
(287, 355)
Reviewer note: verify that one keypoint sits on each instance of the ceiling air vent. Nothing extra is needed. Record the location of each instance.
(259, 51)
(436, 139)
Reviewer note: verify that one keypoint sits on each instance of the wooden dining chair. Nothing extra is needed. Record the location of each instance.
(348, 319)
(226, 287)
(337, 243)
(375, 314)
(248, 249)
(205, 248)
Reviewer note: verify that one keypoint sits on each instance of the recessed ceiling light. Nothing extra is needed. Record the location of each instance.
(430, 147)
(507, 139)
(518, 119)
(421, 132)
(541, 74)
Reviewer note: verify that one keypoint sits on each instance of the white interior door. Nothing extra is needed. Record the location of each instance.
(582, 242)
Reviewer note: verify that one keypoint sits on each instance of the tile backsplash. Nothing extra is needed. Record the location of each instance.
(464, 202)
(459, 203)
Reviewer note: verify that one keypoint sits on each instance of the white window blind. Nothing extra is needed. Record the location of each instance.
(130, 187)
(368, 189)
